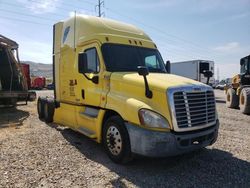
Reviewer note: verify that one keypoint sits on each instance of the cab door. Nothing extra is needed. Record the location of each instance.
(90, 94)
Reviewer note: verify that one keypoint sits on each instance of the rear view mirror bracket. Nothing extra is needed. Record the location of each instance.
(143, 71)
(208, 74)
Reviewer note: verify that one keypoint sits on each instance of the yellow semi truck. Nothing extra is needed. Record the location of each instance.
(112, 85)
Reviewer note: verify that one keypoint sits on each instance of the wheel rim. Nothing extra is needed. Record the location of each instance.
(114, 140)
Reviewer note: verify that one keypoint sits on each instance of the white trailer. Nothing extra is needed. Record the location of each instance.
(194, 69)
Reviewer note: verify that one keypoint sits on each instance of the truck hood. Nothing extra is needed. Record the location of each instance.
(156, 81)
(127, 93)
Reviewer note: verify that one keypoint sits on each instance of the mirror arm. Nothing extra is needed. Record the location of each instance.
(148, 92)
(208, 74)
(91, 79)
(143, 71)
(86, 76)
(208, 78)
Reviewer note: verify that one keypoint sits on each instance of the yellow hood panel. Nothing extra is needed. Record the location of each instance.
(156, 81)
(127, 93)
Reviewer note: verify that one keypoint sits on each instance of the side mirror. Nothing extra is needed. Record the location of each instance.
(168, 66)
(82, 63)
(208, 73)
(95, 79)
(142, 71)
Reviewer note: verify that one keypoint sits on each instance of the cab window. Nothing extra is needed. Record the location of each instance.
(93, 60)
(151, 62)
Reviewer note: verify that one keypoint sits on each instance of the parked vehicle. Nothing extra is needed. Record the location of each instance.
(195, 69)
(33, 82)
(221, 86)
(111, 85)
(215, 84)
(13, 83)
(38, 82)
(26, 72)
(50, 86)
(238, 93)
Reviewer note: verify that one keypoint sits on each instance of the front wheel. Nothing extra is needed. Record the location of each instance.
(116, 141)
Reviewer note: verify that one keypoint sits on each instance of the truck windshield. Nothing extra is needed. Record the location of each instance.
(125, 58)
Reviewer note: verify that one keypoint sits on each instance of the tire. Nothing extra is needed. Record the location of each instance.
(40, 107)
(245, 101)
(232, 100)
(49, 109)
(116, 141)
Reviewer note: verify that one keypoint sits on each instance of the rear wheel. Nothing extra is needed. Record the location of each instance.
(245, 100)
(40, 107)
(116, 141)
(232, 100)
(49, 109)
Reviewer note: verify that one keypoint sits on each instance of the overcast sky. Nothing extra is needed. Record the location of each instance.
(217, 30)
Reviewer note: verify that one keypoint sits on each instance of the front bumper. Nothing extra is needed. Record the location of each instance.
(160, 144)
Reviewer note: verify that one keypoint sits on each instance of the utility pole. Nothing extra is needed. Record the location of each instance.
(100, 5)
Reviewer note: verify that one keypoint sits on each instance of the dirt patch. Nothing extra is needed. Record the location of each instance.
(38, 155)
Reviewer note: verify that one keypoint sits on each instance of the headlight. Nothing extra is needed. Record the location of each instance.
(152, 119)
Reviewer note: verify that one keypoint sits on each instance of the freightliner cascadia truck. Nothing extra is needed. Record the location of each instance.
(112, 85)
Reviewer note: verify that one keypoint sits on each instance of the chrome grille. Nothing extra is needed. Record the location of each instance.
(194, 108)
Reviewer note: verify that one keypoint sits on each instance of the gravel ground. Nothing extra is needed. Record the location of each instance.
(33, 154)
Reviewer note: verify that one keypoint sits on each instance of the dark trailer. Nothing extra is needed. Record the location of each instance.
(13, 83)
